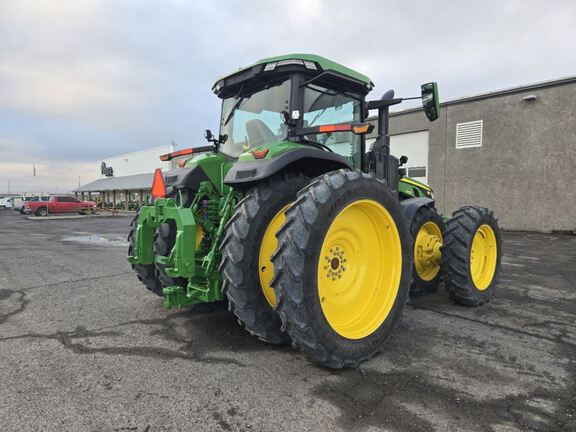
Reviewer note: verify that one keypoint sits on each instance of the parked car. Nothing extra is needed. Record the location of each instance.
(59, 204)
(23, 200)
(17, 202)
(7, 202)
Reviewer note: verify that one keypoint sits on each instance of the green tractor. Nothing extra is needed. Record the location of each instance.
(311, 239)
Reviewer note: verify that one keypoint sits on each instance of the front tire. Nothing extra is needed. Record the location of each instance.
(249, 242)
(42, 211)
(472, 255)
(342, 268)
(426, 229)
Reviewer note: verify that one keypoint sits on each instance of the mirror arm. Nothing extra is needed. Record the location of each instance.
(383, 103)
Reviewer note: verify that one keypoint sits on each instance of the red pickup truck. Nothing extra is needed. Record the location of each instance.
(59, 204)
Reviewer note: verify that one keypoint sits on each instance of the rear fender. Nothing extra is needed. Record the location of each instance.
(412, 205)
(308, 161)
(184, 178)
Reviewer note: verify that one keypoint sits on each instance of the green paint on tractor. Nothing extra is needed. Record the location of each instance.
(322, 62)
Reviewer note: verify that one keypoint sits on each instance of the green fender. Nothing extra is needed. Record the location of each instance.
(308, 161)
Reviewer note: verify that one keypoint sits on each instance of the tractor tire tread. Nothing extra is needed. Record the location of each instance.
(458, 238)
(247, 302)
(421, 287)
(290, 261)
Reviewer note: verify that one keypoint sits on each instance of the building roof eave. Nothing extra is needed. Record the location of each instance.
(133, 182)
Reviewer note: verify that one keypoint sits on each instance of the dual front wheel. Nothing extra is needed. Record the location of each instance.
(465, 252)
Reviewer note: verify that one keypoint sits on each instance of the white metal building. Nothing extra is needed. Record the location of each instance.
(127, 178)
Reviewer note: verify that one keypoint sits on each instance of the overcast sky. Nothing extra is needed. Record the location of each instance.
(81, 80)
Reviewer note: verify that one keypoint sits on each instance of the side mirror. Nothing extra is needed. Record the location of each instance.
(430, 100)
(403, 160)
(285, 116)
(208, 134)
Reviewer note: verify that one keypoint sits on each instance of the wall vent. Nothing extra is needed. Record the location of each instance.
(469, 134)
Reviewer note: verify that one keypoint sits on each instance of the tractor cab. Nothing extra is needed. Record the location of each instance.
(293, 98)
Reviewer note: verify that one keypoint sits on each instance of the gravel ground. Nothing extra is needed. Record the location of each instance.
(84, 347)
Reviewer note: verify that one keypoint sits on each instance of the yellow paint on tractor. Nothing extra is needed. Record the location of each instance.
(427, 254)
(199, 235)
(483, 257)
(359, 269)
(267, 248)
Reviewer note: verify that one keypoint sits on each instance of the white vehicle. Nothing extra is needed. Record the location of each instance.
(7, 202)
(17, 202)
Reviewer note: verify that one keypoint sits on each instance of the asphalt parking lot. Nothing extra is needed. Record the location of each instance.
(84, 347)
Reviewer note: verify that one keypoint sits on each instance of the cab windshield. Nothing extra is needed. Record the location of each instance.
(251, 120)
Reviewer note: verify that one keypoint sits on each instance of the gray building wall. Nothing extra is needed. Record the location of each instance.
(526, 168)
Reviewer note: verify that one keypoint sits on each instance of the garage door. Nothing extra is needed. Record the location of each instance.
(415, 146)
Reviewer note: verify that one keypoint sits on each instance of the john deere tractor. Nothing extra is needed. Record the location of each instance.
(310, 237)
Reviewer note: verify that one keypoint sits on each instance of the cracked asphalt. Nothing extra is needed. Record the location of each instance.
(84, 347)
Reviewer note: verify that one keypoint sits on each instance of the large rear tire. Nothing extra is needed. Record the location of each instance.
(248, 244)
(426, 229)
(472, 255)
(146, 272)
(342, 268)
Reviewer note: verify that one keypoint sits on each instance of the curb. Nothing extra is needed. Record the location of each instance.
(43, 218)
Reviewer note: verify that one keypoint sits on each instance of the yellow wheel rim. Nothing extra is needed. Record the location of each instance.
(267, 248)
(359, 269)
(427, 253)
(483, 257)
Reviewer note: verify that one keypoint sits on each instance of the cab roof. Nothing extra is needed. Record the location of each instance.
(311, 63)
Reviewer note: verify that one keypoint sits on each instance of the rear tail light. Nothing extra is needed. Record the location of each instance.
(170, 156)
(260, 154)
(158, 186)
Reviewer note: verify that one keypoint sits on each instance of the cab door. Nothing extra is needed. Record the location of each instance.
(324, 106)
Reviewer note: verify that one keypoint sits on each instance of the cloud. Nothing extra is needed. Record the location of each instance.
(80, 81)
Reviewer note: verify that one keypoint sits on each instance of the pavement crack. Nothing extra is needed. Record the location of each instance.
(21, 300)
(92, 278)
(70, 341)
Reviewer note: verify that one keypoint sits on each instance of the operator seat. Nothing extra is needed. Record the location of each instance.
(258, 133)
